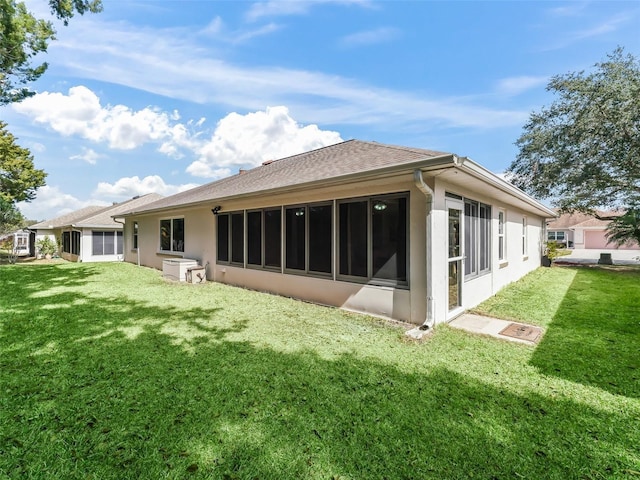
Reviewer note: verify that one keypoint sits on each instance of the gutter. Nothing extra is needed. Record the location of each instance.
(467, 165)
(429, 321)
(439, 161)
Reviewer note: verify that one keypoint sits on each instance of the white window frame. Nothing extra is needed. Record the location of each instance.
(525, 243)
(171, 239)
(502, 235)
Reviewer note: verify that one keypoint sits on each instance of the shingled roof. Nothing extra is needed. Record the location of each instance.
(328, 163)
(580, 220)
(95, 215)
(69, 218)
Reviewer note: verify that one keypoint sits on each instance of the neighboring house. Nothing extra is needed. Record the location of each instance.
(21, 241)
(579, 230)
(90, 234)
(405, 233)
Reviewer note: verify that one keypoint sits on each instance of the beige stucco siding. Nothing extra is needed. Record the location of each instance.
(408, 303)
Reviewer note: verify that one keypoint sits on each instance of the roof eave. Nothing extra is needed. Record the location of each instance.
(440, 161)
(469, 166)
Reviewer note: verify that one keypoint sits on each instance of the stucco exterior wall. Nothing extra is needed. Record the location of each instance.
(514, 266)
(402, 303)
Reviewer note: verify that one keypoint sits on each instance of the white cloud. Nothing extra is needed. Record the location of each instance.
(51, 202)
(128, 187)
(516, 85)
(214, 27)
(274, 8)
(175, 64)
(80, 113)
(88, 155)
(277, 8)
(370, 37)
(249, 140)
(265, 30)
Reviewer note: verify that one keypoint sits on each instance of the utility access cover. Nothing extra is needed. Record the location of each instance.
(522, 332)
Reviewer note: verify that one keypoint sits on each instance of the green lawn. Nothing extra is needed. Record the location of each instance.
(109, 372)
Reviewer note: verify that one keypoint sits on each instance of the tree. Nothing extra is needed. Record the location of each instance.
(19, 179)
(583, 151)
(10, 217)
(625, 228)
(22, 37)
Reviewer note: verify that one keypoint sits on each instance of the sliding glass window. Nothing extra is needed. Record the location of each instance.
(254, 238)
(237, 237)
(295, 238)
(273, 238)
(373, 239)
(223, 238)
(230, 238)
(477, 236)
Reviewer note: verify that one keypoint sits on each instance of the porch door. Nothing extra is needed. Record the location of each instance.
(455, 256)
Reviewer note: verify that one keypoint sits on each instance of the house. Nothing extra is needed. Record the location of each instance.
(405, 233)
(580, 230)
(90, 234)
(21, 242)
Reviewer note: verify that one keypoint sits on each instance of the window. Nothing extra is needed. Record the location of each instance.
(320, 238)
(105, 243)
(254, 238)
(295, 238)
(172, 235)
(477, 235)
(231, 237)
(223, 238)
(502, 254)
(273, 238)
(524, 236)
(75, 243)
(373, 238)
(71, 242)
(66, 242)
(353, 239)
(308, 238)
(135, 235)
(237, 237)
(389, 238)
(556, 236)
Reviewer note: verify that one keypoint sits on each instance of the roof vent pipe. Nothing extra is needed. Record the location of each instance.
(428, 193)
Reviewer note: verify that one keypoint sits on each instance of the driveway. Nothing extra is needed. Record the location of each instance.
(591, 256)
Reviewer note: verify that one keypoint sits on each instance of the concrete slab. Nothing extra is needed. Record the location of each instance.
(486, 326)
(584, 256)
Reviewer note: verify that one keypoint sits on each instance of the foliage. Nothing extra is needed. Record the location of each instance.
(10, 217)
(553, 249)
(625, 228)
(583, 151)
(22, 37)
(109, 372)
(19, 179)
(46, 246)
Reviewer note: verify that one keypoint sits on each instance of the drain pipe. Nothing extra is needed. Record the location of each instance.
(428, 193)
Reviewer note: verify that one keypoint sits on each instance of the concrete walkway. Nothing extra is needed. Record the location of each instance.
(584, 256)
(502, 329)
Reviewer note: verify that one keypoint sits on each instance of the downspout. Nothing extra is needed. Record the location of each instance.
(122, 223)
(428, 193)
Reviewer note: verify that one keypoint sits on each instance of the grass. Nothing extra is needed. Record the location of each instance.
(108, 372)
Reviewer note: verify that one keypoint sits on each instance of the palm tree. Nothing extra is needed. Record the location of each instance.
(625, 228)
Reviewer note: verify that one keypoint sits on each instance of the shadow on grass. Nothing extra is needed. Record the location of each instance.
(147, 409)
(105, 400)
(44, 307)
(594, 338)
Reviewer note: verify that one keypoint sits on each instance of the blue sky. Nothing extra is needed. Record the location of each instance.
(163, 95)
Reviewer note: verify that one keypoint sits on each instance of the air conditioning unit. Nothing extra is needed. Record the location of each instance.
(196, 275)
(176, 268)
